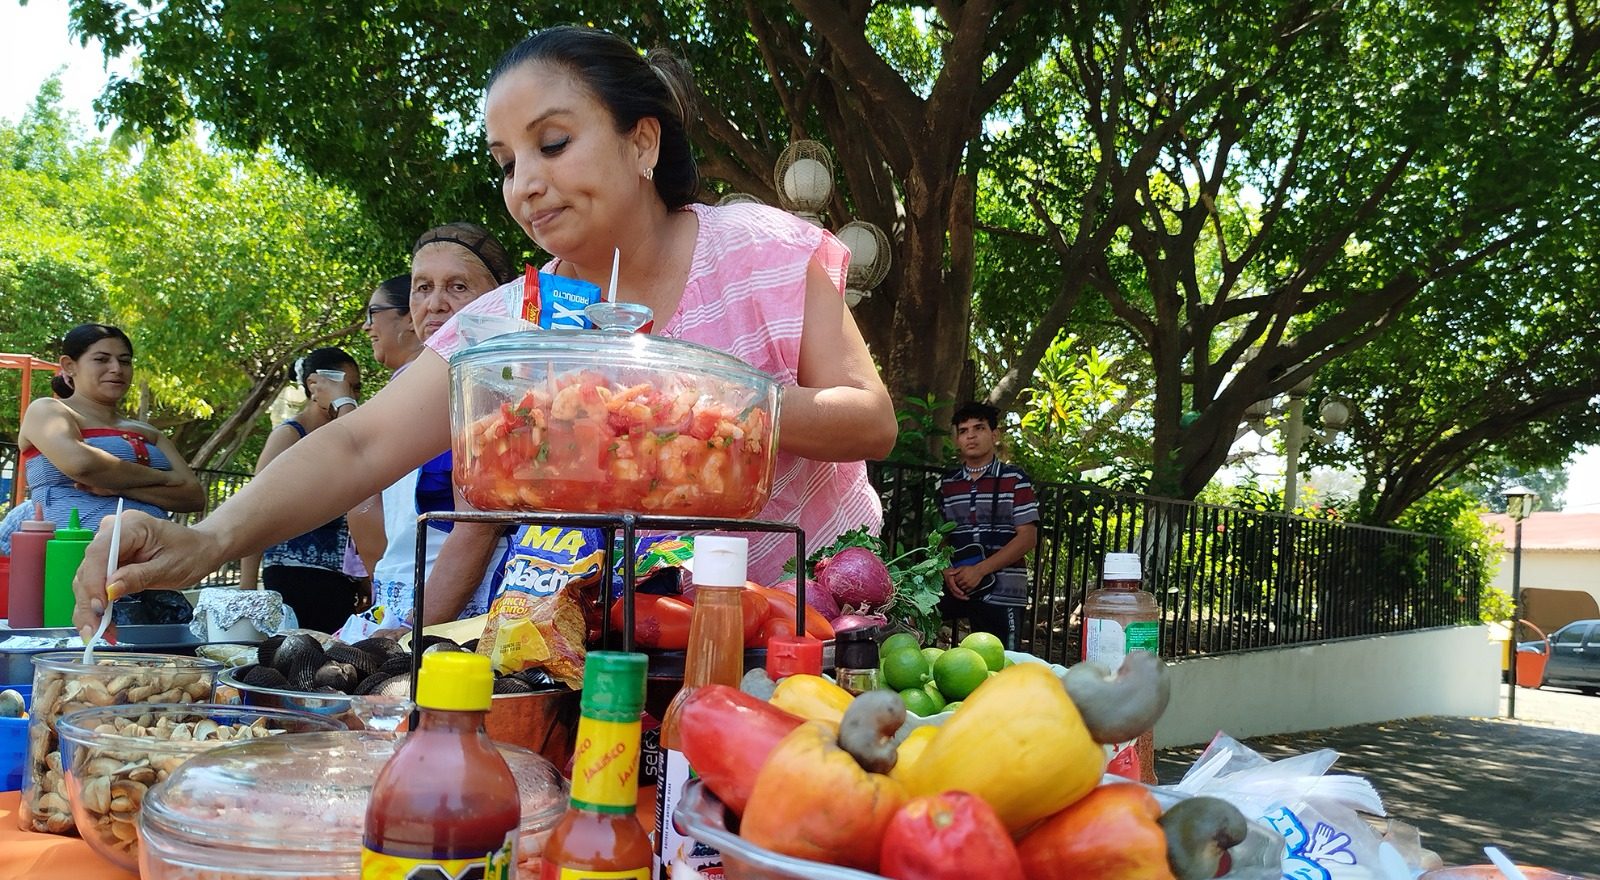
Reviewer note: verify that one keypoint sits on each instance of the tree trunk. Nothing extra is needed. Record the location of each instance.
(240, 421)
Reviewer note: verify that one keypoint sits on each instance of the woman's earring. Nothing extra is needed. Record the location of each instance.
(649, 174)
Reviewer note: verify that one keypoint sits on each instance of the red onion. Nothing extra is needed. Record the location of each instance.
(857, 579)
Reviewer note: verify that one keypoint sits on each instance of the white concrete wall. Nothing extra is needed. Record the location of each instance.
(1448, 671)
(1555, 570)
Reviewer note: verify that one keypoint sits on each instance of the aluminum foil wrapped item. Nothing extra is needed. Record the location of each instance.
(223, 614)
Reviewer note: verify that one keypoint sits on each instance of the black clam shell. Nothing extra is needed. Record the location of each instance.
(398, 686)
(303, 672)
(537, 679)
(400, 665)
(371, 683)
(267, 648)
(339, 676)
(380, 647)
(511, 684)
(431, 642)
(364, 662)
(264, 676)
(298, 652)
(470, 645)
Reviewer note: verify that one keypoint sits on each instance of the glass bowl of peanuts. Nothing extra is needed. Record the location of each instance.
(112, 755)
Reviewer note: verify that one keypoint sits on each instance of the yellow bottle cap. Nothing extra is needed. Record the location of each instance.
(455, 681)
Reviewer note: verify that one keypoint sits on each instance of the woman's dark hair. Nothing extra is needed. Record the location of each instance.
(77, 341)
(330, 358)
(481, 242)
(975, 410)
(396, 292)
(631, 86)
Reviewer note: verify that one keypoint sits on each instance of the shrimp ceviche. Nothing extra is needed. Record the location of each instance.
(584, 442)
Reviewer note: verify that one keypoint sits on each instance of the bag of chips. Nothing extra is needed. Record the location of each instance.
(537, 619)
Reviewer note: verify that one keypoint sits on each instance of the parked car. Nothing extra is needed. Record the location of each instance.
(1574, 659)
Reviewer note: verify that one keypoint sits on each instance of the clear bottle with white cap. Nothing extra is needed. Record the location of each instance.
(1119, 618)
(715, 656)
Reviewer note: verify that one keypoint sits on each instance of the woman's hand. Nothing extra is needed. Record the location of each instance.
(155, 554)
(324, 391)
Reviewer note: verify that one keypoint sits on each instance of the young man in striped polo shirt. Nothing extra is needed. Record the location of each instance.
(996, 517)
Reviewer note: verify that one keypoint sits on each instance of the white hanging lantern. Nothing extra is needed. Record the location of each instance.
(737, 198)
(1335, 414)
(870, 256)
(804, 175)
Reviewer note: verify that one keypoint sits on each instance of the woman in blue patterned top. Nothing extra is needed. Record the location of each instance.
(308, 570)
(79, 452)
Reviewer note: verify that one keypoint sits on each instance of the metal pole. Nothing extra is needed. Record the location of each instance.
(1293, 436)
(1516, 614)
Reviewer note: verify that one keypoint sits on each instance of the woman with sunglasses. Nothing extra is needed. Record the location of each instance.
(308, 569)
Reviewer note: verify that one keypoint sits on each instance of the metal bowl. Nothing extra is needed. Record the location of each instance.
(365, 712)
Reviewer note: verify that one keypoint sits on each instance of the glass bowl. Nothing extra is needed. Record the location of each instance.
(63, 684)
(602, 421)
(111, 756)
(294, 806)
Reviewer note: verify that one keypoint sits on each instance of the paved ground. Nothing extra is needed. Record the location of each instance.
(1530, 786)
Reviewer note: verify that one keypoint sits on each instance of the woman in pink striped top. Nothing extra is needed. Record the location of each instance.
(590, 137)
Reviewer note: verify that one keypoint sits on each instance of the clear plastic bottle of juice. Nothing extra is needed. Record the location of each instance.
(1118, 618)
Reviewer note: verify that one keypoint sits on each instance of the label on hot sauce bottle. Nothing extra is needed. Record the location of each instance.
(497, 865)
(605, 769)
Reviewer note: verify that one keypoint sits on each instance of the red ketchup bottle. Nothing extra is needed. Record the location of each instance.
(25, 605)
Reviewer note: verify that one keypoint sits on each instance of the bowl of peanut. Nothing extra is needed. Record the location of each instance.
(112, 755)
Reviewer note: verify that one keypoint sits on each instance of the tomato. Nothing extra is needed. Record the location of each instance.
(949, 836)
(755, 608)
(660, 622)
(774, 626)
(782, 604)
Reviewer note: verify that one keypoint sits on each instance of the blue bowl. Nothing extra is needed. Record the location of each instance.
(14, 742)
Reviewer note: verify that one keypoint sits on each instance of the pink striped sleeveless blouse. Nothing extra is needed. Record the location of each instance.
(746, 296)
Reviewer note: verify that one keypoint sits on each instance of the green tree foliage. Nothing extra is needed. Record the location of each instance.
(1287, 179)
(222, 268)
(385, 99)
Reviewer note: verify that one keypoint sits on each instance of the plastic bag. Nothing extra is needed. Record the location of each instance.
(1320, 817)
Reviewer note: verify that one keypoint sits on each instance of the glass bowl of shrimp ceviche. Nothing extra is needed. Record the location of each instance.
(603, 421)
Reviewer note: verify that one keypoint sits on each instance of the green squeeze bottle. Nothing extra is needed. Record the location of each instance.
(62, 556)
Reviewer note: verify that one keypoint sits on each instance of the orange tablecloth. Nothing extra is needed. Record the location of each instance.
(24, 854)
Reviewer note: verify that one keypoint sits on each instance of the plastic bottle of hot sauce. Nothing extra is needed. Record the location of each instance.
(26, 602)
(446, 798)
(1119, 618)
(600, 838)
(715, 656)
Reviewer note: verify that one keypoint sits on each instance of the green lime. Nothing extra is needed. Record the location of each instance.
(958, 672)
(938, 698)
(931, 655)
(897, 642)
(919, 703)
(989, 647)
(904, 669)
(1009, 663)
(951, 707)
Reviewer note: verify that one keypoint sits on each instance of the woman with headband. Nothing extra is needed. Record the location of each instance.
(451, 266)
(590, 138)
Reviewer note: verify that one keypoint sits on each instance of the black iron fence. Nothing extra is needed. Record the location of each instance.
(219, 486)
(1228, 579)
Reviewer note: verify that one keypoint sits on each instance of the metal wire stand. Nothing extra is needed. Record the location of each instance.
(610, 523)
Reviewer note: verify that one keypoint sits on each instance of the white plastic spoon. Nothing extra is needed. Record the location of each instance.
(111, 567)
(1506, 866)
